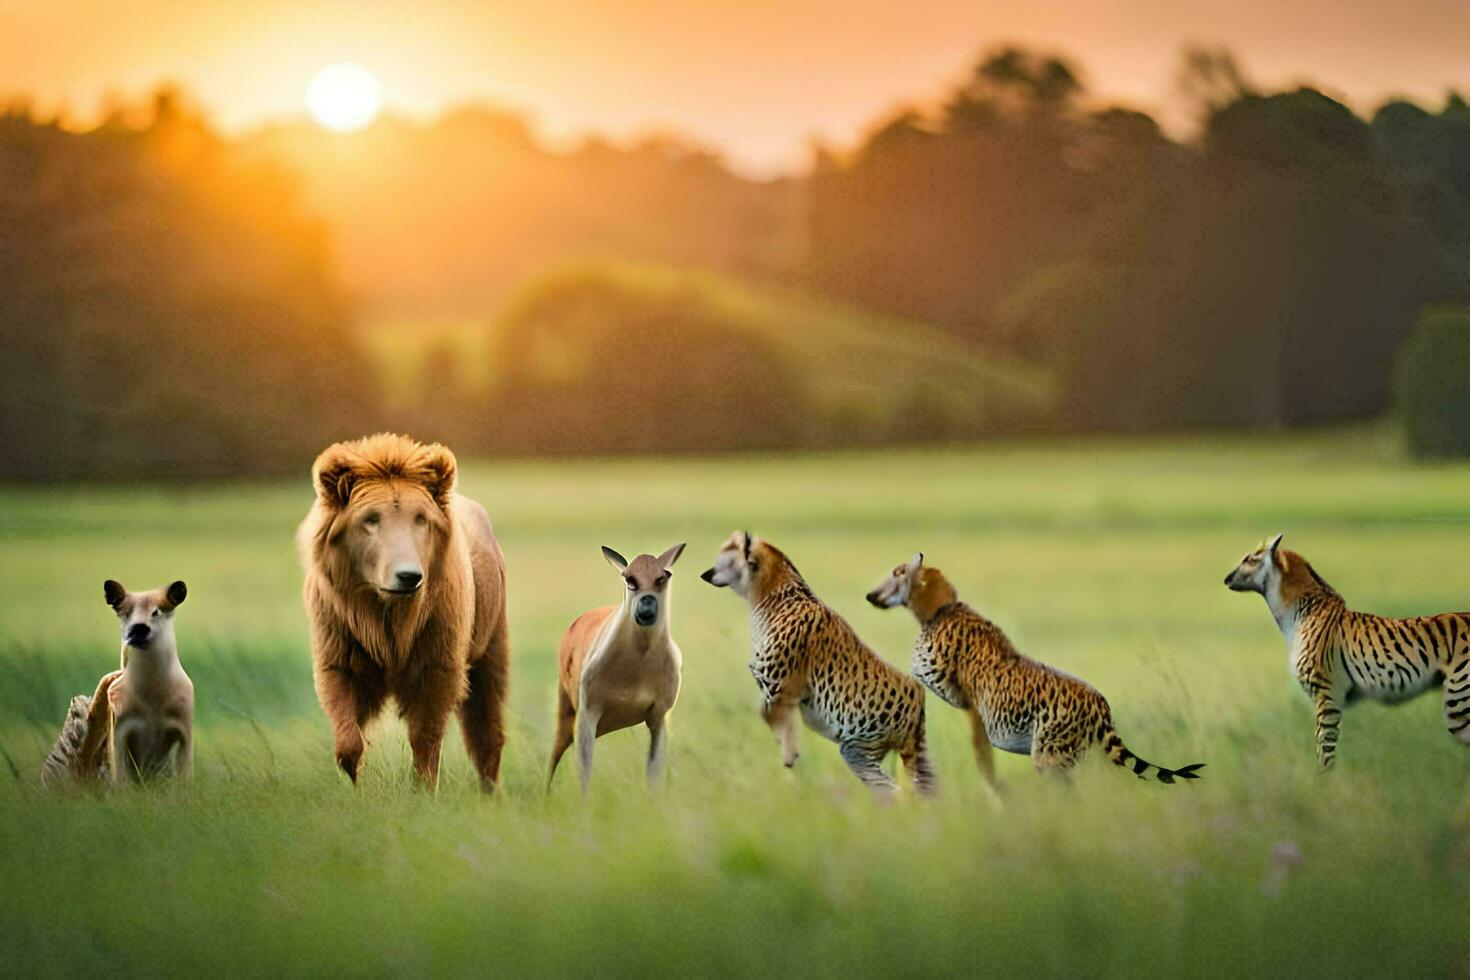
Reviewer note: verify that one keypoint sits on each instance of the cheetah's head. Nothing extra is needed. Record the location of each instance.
(899, 585)
(1257, 570)
(734, 566)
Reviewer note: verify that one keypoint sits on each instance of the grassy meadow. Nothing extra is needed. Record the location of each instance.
(1104, 557)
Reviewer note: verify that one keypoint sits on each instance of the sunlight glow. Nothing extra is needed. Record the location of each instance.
(344, 97)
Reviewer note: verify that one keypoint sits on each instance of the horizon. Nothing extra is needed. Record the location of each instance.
(752, 89)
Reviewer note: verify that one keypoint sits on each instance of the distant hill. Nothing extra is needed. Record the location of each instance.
(442, 221)
(621, 357)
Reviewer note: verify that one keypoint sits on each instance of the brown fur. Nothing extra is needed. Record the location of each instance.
(931, 592)
(440, 648)
(1297, 577)
(572, 651)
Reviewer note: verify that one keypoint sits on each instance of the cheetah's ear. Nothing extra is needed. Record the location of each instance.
(745, 536)
(916, 562)
(1276, 556)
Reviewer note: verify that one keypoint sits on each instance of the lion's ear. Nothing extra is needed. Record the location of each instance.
(334, 474)
(440, 466)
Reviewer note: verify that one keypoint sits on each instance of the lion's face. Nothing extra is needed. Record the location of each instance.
(386, 500)
(391, 535)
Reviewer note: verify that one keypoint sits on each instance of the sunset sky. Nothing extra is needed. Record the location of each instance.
(755, 79)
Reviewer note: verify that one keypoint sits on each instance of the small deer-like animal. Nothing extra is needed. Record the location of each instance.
(617, 666)
(140, 722)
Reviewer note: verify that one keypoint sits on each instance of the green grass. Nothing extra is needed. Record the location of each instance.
(1102, 557)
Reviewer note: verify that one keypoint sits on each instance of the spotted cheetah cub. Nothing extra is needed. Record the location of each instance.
(1015, 703)
(806, 658)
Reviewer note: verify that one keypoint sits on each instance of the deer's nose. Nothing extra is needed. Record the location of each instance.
(646, 612)
(138, 634)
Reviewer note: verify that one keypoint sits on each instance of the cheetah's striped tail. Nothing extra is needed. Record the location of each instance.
(1118, 752)
(58, 766)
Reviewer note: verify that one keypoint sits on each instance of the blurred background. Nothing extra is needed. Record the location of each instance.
(229, 235)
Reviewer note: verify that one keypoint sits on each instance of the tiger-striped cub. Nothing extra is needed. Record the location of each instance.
(807, 658)
(1339, 655)
(1015, 704)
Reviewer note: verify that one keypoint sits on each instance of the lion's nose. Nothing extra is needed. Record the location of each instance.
(408, 579)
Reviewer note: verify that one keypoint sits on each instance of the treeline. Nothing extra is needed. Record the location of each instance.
(175, 304)
(1266, 273)
(165, 312)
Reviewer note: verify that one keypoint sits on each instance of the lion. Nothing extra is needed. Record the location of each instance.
(405, 593)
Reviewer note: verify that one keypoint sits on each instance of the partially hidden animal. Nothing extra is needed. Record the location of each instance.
(405, 595)
(1015, 703)
(618, 666)
(140, 721)
(808, 661)
(1340, 655)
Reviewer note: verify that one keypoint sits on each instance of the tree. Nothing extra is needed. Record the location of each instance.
(1208, 79)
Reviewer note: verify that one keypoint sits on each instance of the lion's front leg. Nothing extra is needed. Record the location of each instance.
(350, 699)
(426, 712)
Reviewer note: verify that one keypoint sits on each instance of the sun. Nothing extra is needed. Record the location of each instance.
(344, 97)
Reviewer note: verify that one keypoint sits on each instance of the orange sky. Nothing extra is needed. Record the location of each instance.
(757, 79)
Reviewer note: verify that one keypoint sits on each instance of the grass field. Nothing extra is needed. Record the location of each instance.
(1103, 557)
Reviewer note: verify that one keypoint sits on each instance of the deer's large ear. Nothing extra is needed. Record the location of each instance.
(1275, 543)
(667, 559)
(114, 593)
(916, 562)
(334, 474)
(176, 594)
(614, 559)
(441, 468)
(745, 540)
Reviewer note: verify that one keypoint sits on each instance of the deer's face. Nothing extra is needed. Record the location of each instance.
(145, 617)
(646, 579)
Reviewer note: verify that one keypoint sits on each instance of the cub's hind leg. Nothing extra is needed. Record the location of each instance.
(916, 763)
(984, 751)
(865, 762)
(1457, 700)
(1055, 751)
